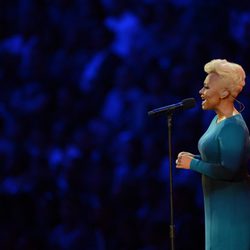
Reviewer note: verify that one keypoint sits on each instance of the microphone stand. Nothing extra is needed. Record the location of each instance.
(171, 227)
(185, 104)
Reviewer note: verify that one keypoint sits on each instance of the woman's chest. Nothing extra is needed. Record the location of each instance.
(209, 146)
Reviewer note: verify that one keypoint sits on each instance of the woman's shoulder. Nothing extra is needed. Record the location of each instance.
(234, 124)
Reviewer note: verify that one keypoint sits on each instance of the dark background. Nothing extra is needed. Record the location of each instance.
(83, 167)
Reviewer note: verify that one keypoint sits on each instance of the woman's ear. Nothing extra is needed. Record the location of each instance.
(225, 93)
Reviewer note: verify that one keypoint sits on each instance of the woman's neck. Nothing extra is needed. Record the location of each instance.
(226, 111)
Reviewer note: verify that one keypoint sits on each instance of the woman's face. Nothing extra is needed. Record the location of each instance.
(212, 91)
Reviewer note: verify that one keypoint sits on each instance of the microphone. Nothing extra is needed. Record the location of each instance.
(183, 105)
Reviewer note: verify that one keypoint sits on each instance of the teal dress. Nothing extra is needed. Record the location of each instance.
(224, 151)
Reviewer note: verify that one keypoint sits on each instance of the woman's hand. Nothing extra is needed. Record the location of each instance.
(183, 160)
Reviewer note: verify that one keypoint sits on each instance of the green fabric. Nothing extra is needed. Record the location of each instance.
(224, 152)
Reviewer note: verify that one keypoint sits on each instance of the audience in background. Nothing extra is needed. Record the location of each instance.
(82, 165)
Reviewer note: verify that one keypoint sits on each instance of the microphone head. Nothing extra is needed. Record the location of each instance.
(188, 103)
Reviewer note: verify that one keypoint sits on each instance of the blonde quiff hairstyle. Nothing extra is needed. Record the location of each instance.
(232, 73)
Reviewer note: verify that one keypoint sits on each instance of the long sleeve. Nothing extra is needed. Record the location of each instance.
(231, 141)
(197, 157)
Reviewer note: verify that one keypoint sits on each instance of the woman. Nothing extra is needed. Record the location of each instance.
(224, 151)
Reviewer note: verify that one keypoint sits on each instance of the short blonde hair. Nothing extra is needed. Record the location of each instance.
(233, 74)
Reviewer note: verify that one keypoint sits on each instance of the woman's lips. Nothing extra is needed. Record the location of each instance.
(203, 100)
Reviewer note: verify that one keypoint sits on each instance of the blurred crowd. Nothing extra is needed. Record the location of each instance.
(83, 167)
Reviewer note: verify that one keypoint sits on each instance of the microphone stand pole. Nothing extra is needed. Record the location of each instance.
(171, 227)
